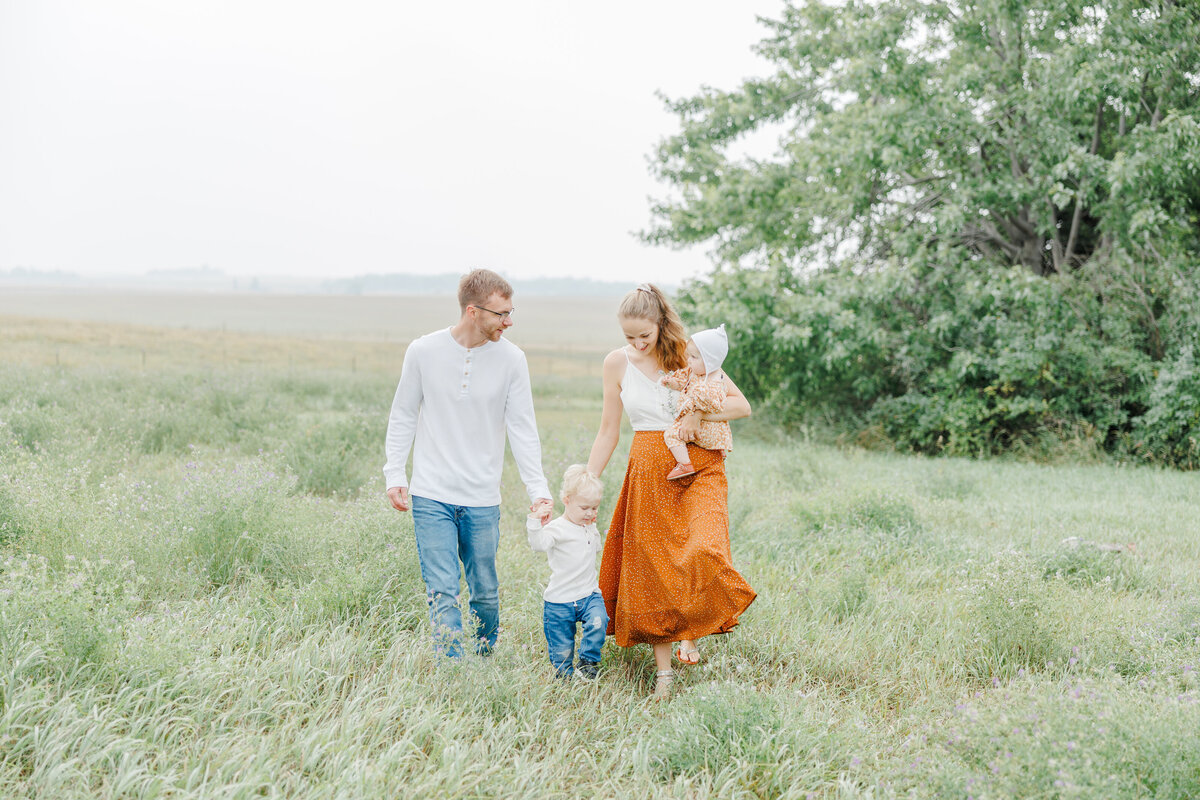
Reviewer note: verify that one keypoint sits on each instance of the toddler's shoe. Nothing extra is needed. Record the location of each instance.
(681, 471)
(589, 669)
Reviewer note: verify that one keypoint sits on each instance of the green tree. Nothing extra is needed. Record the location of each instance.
(1037, 132)
(932, 150)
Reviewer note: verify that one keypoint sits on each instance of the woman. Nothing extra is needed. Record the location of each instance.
(666, 573)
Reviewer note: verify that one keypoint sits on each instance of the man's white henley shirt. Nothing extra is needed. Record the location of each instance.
(452, 408)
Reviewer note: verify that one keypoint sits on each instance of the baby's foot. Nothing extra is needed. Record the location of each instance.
(681, 471)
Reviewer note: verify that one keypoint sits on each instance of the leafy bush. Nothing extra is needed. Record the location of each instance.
(14, 523)
(1169, 431)
(738, 734)
(30, 427)
(230, 523)
(331, 459)
(209, 412)
(1008, 619)
(849, 596)
(935, 358)
(883, 514)
(1087, 565)
(169, 431)
(72, 615)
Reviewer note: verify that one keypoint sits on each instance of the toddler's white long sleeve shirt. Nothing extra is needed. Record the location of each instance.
(571, 550)
(452, 408)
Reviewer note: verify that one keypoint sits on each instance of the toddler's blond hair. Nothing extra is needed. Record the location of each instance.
(577, 482)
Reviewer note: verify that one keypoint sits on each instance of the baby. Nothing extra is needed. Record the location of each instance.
(703, 391)
(571, 543)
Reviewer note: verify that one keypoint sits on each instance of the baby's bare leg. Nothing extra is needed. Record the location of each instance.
(676, 446)
(683, 462)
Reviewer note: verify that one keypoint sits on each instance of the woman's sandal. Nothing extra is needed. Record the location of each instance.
(662, 683)
(689, 656)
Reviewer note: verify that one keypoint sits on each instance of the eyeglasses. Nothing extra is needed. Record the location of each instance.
(500, 314)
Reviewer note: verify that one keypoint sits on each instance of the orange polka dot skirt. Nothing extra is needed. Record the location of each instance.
(666, 573)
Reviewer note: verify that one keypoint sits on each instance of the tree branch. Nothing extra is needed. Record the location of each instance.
(987, 233)
(1056, 248)
(1077, 217)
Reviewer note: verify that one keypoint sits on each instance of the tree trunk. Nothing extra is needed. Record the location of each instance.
(1077, 217)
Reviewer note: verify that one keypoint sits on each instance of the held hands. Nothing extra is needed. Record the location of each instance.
(543, 509)
(398, 495)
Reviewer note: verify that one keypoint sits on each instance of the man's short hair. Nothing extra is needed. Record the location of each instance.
(478, 285)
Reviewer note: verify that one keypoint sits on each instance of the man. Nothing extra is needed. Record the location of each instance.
(460, 389)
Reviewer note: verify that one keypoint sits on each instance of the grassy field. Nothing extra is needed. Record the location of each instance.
(204, 594)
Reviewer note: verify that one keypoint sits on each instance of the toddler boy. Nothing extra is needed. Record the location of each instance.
(572, 597)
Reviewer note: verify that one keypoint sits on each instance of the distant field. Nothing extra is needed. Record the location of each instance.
(581, 323)
(562, 336)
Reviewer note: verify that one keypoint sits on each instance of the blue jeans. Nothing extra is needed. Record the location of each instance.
(447, 534)
(558, 621)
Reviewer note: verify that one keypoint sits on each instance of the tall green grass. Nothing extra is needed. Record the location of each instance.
(203, 593)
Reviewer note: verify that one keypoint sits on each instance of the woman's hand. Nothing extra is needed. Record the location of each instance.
(689, 426)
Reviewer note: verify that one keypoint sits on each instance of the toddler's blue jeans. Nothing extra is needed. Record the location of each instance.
(558, 622)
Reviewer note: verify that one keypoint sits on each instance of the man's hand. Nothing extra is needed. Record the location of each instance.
(543, 508)
(399, 497)
(689, 425)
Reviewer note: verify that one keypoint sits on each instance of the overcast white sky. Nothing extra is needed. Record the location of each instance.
(274, 138)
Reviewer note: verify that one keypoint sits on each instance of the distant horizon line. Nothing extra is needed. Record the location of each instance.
(211, 280)
(206, 272)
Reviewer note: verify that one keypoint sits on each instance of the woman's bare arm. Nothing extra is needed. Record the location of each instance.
(736, 407)
(736, 404)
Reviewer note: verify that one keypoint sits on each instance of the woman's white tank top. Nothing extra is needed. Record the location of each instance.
(649, 405)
